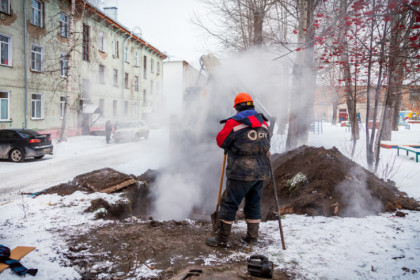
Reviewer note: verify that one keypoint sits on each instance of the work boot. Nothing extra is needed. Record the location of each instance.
(252, 233)
(222, 236)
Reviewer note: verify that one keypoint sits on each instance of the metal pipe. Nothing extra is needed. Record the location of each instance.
(25, 57)
(122, 69)
(123, 74)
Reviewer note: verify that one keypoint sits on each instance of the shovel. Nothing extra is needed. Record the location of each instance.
(277, 203)
(216, 213)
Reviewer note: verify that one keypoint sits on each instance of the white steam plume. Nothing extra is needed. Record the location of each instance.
(191, 181)
(356, 195)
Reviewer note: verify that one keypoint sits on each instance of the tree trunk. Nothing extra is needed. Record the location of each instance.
(335, 108)
(259, 14)
(397, 108)
(387, 121)
(350, 95)
(70, 44)
(302, 99)
(395, 81)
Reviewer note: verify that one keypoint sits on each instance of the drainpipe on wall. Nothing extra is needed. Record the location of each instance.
(122, 69)
(139, 92)
(25, 56)
(123, 75)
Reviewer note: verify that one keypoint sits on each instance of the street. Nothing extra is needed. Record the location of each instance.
(79, 155)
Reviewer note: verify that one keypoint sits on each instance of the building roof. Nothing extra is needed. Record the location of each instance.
(118, 25)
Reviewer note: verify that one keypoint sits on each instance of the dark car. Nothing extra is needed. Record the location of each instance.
(18, 144)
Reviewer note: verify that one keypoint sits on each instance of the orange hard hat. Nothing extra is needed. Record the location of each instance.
(243, 97)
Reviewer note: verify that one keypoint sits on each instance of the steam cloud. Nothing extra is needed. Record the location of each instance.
(191, 181)
(356, 195)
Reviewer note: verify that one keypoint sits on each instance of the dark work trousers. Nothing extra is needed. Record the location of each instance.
(108, 136)
(232, 198)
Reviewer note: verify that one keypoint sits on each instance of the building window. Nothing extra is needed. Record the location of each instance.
(157, 67)
(157, 88)
(64, 25)
(114, 108)
(4, 105)
(36, 12)
(64, 64)
(101, 74)
(37, 55)
(37, 106)
(115, 49)
(136, 83)
(5, 50)
(102, 42)
(101, 105)
(85, 51)
(126, 54)
(144, 67)
(125, 108)
(126, 80)
(144, 98)
(137, 59)
(152, 65)
(62, 105)
(5, 6)
(115, 75)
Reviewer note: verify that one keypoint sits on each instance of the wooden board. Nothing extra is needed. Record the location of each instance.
(16, 254)
(106, 180)
(119, 186)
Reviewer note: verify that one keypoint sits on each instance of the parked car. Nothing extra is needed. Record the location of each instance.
(18, 144)
(131, 130)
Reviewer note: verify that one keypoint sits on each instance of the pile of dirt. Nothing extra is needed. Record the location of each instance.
(65, 189)
(105, 180)
(309, 180)
(317, 181)
(135, 201)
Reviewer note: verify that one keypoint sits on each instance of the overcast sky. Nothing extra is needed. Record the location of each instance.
(166, 24)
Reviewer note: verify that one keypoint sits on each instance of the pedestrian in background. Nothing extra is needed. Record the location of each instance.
(108, 130)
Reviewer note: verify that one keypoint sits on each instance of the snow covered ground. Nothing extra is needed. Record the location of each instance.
(79, 155)
(374, 247)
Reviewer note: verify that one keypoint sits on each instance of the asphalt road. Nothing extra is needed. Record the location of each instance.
(80, 155)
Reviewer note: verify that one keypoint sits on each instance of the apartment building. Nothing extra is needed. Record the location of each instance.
(179, 81)
(116, 75)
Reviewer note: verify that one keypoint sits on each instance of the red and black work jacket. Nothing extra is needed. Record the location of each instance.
(246, 138)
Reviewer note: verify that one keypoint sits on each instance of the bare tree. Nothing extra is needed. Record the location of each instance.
(302, 99)
(239, 24)
(70, 46)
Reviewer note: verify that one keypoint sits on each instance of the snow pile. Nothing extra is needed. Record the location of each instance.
(373, 247)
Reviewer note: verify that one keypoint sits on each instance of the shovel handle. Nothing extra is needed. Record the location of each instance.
(221, 181)
(277, 204)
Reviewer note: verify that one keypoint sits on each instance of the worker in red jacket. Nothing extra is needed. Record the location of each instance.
(246, 139)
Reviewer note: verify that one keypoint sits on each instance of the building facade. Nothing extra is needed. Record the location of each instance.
(180, 78)
(116, 75)
(325, 97)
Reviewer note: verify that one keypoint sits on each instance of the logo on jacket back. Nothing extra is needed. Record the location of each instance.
(254, 135)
